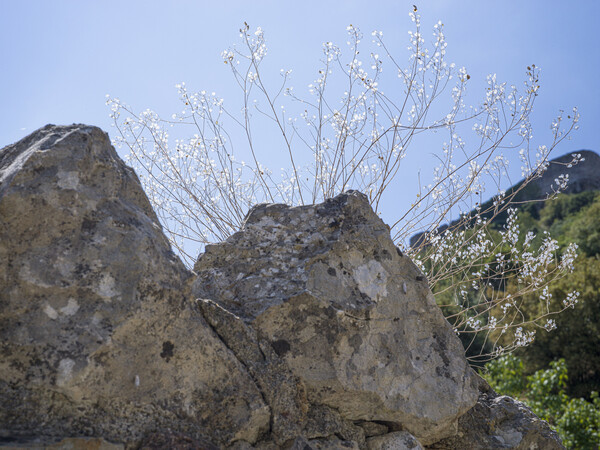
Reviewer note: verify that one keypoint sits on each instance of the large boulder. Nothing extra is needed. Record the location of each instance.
(351, 316)
(308, 329)
(97, 334)
(500, 422)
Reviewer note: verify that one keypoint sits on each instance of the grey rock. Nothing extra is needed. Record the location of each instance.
(373, 428)
(282, 391)
(324, 422)
(307, 329)
(582, 176)
(98, 336)
(351, 317)
(330, 443)
(69, 444)
(500, 422)
(398, 440)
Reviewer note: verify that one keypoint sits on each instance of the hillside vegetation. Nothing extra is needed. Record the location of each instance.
(558, 375)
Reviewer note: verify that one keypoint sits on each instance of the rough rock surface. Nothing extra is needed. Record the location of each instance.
(351, 316)
(500, 422)
(398, 440)
(307, 329)
(582, 176)
(95, 326)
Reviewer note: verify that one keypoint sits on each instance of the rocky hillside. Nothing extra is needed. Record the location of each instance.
(307, 329)
(583, 177)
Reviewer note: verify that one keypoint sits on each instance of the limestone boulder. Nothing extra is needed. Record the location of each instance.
(398, 440)
(98, 333)
(350, 315)
(307, 329)
(500, 422)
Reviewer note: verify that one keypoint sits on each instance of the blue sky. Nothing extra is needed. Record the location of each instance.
(60, 58)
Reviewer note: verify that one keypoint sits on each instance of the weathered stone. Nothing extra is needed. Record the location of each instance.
(69, 444)
(283, 392)
(167, 439)
(331, 443)
(324, 422)
(373, 428)
(98, 336)
(352, 318)
(398, 440)
(308, 329)
(499, 421)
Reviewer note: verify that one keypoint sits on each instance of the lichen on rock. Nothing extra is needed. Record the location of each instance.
(354, 320)
(307, 329)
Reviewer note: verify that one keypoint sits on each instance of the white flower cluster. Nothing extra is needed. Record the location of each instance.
(206, 165)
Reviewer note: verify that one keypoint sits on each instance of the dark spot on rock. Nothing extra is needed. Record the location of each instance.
(396, 319)
(334, 224)
(376, 256)
(88, 225)
(331, 271)
(82, 269)
(399, 252)
(386, 254)
(442, 371)
(440, 347)
(330, 312)
(167, 350)
(420, 278)
(355, 342)
(281, 346)
(49, 142)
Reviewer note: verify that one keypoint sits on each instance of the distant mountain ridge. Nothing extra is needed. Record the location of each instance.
(584, 176)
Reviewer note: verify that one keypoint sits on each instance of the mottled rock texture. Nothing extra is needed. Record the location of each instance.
(351, 316)
(97, 333)
(399, 440)
(307, 329)
(500, 422)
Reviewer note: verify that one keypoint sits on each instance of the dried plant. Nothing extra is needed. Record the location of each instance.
(349, 133)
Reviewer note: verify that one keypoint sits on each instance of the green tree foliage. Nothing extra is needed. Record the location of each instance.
(577, 334)
(558, 376)
(574, 218)
(576, 338)
(576, 420)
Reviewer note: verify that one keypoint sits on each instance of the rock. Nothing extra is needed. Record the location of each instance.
(351, 317)
(283, 392)
(324, 422)
(70, 444)
(582, 176)
(499, 421)
(373, 428)
(98, 336)
(308, 329)
(331, 443)
(166, 439)
(398, 440)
